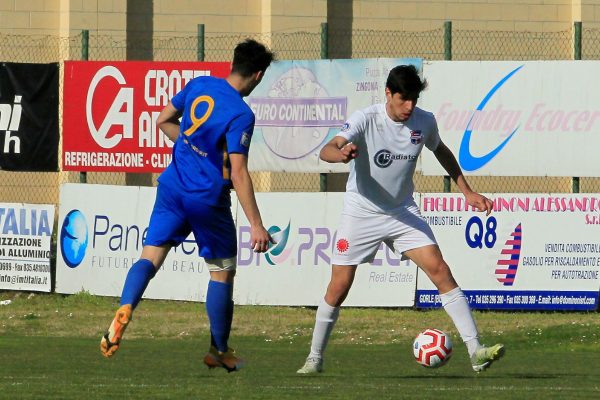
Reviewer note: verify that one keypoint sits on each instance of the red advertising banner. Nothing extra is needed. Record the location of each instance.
(110, 111)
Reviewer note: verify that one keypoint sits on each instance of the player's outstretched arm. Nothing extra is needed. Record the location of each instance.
(168, 121)
(242, 183)
(448, 161)
(338, 150)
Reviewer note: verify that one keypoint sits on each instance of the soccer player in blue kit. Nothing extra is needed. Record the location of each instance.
(210, 156)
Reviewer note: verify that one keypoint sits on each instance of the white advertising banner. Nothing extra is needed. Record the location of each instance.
(516, 118)
(300, 105)
(297, 269)
(25, 239)
(99, 240)
(534, 252)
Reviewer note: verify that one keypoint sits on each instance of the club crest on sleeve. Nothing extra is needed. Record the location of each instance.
(416, 136)
(345, 127)
(245, 139)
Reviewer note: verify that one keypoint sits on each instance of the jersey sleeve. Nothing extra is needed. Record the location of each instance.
(432, 140)
(354, 126)
(240, 133)
(178, 100)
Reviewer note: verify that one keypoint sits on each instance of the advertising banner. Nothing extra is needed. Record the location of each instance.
(110, 111)
(297, 269)
(29, 117)
(534, 252)
(300, 105)
(100, 240)
(25, 238)
(509, 118)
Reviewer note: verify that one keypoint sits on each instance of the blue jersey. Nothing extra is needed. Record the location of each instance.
(215, 122)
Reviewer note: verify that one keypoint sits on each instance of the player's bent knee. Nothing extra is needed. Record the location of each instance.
(439, 272)
(440, 269)
(336, 294)
(221, 264)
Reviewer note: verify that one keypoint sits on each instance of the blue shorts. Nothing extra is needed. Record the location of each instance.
(176, 214)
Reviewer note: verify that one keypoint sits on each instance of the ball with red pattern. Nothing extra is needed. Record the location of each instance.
(432, 348)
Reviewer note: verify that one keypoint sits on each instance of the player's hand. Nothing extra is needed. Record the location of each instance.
(349, 152)
(480, 202)
(260, 239)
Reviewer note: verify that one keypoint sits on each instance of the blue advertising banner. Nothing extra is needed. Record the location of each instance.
(518, 300)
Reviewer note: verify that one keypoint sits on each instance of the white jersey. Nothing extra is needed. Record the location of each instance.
(381, 177)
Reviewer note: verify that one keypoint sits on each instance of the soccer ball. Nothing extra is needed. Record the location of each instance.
(432, 348)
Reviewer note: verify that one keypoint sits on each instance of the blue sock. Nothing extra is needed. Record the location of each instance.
(229, 318)
(137, 280)
(218, 303)
(228, 326)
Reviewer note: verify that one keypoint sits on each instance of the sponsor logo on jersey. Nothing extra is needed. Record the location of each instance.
(383, 158)
(416, 136)
(345, 127)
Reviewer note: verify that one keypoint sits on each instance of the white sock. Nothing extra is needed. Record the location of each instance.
(325, 320)
(456, 305)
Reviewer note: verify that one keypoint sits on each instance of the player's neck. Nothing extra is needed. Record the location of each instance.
(236, 82)
(242, 85)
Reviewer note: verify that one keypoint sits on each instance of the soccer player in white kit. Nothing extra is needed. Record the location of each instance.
(384, 142)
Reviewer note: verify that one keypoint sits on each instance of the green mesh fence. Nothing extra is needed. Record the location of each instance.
(372, 44)
(494, 45)
(590, 44)
(30, 187)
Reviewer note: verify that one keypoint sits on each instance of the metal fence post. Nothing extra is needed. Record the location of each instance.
(448, 40)
(447, 56)
(324, 44)
(200, 54)
(85, 45)
(576, 56)
(324, 55)
(85, 54)
(577, 40)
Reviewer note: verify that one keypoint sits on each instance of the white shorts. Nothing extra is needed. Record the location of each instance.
(221, 264)
(360, 235)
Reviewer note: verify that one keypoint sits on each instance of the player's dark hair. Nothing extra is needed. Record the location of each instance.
(249, 57)
(405, 79)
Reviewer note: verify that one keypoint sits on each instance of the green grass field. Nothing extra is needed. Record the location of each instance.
(49, 350)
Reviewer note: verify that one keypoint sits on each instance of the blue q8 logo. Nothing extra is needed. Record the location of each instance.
(477, 235)
(468, 161)
(73, 238)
